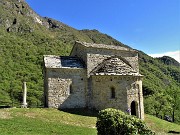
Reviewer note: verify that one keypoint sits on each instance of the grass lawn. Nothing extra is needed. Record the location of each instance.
(160, 126)
(36, 121)
(44, 122)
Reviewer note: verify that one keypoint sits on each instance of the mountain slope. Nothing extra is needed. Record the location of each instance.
(169, 61)
(25, 37)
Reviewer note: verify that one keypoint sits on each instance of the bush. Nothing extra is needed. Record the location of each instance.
(115, 122)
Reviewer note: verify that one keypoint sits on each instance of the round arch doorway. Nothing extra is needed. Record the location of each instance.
(134, 108)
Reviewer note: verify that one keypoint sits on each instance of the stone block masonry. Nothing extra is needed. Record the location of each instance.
(95, 76)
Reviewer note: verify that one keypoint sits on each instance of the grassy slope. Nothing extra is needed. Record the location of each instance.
(52, 121)
(44, 122)
(160, 126)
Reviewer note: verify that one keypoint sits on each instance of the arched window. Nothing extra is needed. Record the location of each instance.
(70, 89)
(113, 94)
(138, 86)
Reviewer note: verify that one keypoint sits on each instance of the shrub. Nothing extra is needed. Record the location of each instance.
(115, 122)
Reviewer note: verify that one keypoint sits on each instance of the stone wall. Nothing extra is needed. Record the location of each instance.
(94, 56)
(134, 93)
(125, 93)
(79, 51)
(101, 92)
(66, 88)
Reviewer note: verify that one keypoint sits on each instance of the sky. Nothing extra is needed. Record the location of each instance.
(152, 26)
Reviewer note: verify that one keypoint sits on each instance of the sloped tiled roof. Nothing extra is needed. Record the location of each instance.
(52, 61)
(114, 66)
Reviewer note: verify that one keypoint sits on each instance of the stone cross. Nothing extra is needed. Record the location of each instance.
(24, 104)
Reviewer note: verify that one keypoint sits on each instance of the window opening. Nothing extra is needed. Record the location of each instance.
(133, 108)
(70, 89)
(113, 94)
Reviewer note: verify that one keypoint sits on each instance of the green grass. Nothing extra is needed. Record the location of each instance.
(36, 121)
(44, 122)
(160, 126)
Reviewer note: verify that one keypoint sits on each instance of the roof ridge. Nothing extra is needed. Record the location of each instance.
(105, 46)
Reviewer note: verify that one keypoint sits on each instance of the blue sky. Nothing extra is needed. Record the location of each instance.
(152, 26)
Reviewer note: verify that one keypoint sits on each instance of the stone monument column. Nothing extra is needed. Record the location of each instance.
(24, 104)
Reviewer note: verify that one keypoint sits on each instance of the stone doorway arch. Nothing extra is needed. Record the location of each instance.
(134, 108)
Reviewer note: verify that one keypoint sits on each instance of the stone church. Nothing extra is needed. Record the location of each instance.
(96, 76)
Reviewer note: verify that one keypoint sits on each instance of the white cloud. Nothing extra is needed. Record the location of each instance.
(175, 55)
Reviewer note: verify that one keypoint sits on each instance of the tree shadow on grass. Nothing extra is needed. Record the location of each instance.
(4, 106)
(82, 111)
(174, 132)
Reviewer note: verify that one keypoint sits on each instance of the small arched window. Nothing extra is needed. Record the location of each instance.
(70, 89)
(113, 94)
(138, 86)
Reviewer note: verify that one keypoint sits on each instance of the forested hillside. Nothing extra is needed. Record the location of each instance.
(25, 37)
